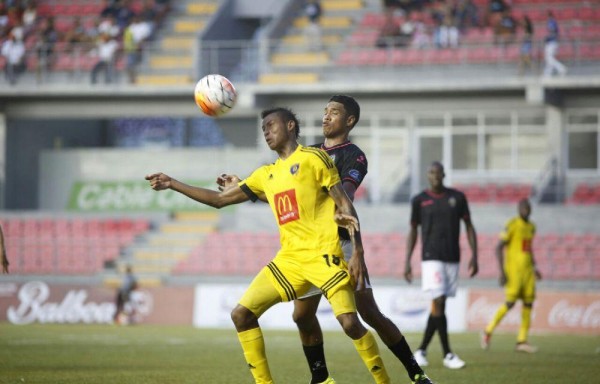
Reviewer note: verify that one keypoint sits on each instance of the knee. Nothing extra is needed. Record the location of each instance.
(510, 304)
(351, 325)
(243, 318)
(303, 319)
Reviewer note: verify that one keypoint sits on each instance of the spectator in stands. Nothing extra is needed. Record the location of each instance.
(494, 12)
(467, 15)
(76, 36)
(421, 38)
(518, 274)
(109, 25)
(439, 211)
(123, 297)
(134, 37)
(30, 17)
(551, 47)
(13, 51)
(312, 31)
(4, 26)
(391, 33)
(107, 50)
(124, 14)
(448, 30)
(149, 15)
(47, 38)
(3, 256)
(526, 45)
(506, 29)
(109, 9)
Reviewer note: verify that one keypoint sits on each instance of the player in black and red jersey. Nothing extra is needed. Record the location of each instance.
(438, 211)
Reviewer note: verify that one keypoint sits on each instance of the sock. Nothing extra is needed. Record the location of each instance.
(405, 355)
(500, 313)
(442, 327)
(253, 345)
(315, 356)
(368, 350)
(525, 323)
(429, 332)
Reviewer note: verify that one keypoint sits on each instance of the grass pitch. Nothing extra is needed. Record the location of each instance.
(160, 354)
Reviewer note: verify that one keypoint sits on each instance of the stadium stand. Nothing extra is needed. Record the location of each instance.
(585, 194)
(70, 246)
(560, 257)
(496, 193)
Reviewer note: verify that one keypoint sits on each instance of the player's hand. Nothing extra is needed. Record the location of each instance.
(347, 221)
(5, 265)
(159, 181)
(503, 279)
(408, 273)
(538, 274)
(473, 267)
(226, 181)
(358, 269)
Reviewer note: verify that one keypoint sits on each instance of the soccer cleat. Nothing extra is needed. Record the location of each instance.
(526, 347)
(422, 379)
(421, 357)
(453, 362)
(328, 381)
(485, 339)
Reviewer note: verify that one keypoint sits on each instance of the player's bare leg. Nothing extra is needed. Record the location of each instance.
(388, 332)
(311, 336)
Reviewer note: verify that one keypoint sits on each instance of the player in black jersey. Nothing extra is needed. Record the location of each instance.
(340, 116)
(439, 211)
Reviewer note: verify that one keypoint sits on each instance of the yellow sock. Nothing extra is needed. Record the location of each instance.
(497, 318)
(525, 323)
(253, 345)
(368, 350)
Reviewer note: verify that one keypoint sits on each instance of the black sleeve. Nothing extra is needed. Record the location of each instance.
(415, 214)
(354, 168)
(251, 195)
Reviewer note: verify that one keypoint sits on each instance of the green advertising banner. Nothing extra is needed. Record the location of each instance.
(90, 196)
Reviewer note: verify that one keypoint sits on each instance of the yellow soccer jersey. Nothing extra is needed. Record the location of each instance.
(297, 191)
(518, 234)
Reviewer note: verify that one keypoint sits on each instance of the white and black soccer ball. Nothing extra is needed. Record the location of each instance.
(215, 95)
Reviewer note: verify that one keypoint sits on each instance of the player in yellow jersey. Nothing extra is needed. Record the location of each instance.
(517, 274)
(303, 189)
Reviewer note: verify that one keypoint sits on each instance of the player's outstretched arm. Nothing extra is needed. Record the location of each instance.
(356, 264)
(160, 181)
(3, 257)
(226, 181)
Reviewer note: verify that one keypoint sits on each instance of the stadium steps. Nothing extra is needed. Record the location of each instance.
(172, 61)
(289, 78)
(159, 251)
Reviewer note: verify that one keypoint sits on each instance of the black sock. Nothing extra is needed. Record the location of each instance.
(442, 326)
(315, 356)
(405, 355)
(429, 332)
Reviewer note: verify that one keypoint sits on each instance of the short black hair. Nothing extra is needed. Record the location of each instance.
(286, 114)
(438, 164)
(350, 105)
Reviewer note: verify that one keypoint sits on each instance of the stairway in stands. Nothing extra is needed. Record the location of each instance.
(295, 62)
(155, 255)
(171, 58)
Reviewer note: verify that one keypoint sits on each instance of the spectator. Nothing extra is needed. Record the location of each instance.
(107, 49)
(467, 14)
(3, 256)
(312, 31)
(448, 31)
(47, 38)
(108, 9)
(124, 14)
(391, 34)
(494, 12)
(13, 51)
(76, 36)
(526, 45)
(551, 47)
(108, 25)
(421, 37)
(133, 38)
(149, 15)
(506, 29)
(4, 26)
(128, 285)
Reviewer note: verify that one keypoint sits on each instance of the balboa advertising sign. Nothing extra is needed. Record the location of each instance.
(39, 302)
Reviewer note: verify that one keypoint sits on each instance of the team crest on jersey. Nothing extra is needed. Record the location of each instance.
(294, 168)
(452, 202)
(332, 157)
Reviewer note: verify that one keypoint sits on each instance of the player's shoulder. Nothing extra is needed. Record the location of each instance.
(512, 222)
(456, 193)
(316, 154)
(419, 196)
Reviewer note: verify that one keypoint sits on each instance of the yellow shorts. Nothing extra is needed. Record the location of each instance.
(290, 275)
(520, 285)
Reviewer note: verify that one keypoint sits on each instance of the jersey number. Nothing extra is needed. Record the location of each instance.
(334, 260)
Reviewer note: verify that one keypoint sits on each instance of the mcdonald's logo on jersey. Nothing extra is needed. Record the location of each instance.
(286, 206)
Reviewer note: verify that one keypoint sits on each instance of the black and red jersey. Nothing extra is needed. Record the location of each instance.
(439, 215)
(351, 163)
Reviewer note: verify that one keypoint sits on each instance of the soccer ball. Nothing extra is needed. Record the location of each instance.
(215, 95)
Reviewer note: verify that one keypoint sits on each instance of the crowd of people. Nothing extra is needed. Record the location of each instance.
(441, 23)
(122, 27)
